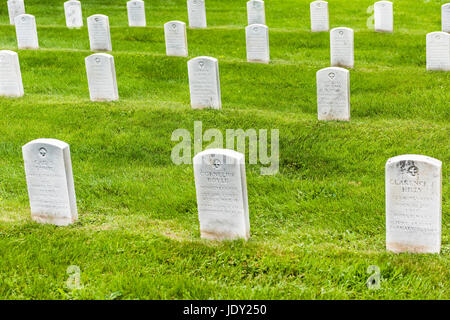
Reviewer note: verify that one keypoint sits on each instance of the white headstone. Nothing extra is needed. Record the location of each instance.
(413, 204)
(48, 170)
(384, 16)
(222, 199)
(445, 17)
(101, 75)
(176, 39)
(438, 51)
(74, 17)
(342, 47)
(136, 13)
(196, 13)
(319, 16)
(15, 8)
(26, 32)
(10, 76)
(257, 40)
(333, 94)
(204, 83)
(255, 12)
(99, 34)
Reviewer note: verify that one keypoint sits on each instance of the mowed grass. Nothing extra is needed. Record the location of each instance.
(316, 226)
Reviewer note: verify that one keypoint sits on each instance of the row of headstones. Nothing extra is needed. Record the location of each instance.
(413, 194)
(136, 12)
(333, 83)
(383, 14)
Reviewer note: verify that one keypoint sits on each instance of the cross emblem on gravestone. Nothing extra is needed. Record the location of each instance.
(331, 75)
(413, 170)
(97, 60)
(201, 64)
(217, 163)
(43, 152)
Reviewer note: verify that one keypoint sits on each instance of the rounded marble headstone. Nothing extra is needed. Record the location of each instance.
(222, 200)
(176, 39)
(196, 14)
(10, 75)
(413, 204)
(204, 83)
(319, 16)
(256, 12)
(99, 33)
(48, 170)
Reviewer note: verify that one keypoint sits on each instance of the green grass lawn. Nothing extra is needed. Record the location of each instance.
(316, 226)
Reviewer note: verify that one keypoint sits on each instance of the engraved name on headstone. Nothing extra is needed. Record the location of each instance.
(319, 16)
(255, 12)
(136, 13)
(176, 39)
(74, 17)
(15, 8)
(204, 83)
(101, 76)
(413, 204)
(99, 33)
(196, 13)
(257, 41)
(10, 76)
(26, 32)
(333, 94)
(445, 17)
(438, 51)
(222, 200)
(384, 16)
(342, 47)
(48, 170)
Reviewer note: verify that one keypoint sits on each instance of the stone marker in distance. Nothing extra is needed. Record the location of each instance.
(15, 8)
(384, 16)
(74, 16)
(204, 83)
(333, 94)
(101, 76)
(48, 170)
(176, 39)
(445, 17)
(255, 12)
(26, 32)
(196, 14)
(319, 16)
(342, 47)
(10, 76)
(257, 43)
(438, 51)
(99, 33)
(222, 200)
(136, 13)
(413, 204)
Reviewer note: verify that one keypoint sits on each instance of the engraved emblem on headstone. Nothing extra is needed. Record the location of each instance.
(43, 152)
